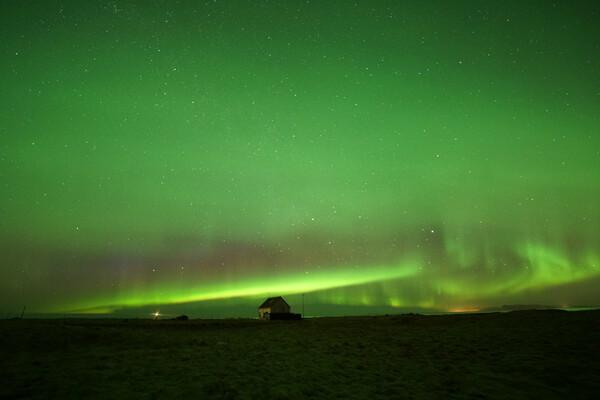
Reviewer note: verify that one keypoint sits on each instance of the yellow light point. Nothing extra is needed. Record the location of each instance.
(156, 314)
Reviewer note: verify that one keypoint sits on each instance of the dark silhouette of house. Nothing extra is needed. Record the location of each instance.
(276, 308)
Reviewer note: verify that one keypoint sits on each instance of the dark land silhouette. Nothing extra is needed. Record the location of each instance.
(520, 354)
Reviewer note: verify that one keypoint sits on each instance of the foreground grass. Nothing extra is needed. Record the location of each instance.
(519, 355)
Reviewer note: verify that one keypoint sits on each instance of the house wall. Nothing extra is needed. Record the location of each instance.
(280, 307)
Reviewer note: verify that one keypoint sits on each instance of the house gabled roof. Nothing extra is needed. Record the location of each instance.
(271, 301)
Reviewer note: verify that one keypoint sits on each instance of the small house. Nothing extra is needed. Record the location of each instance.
(273, 307)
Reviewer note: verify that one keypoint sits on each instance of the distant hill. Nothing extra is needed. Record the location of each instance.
(526, 307)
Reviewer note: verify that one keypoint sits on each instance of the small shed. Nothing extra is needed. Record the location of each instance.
(273, 305)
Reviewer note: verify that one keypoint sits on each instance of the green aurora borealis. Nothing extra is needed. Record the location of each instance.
(434, 154)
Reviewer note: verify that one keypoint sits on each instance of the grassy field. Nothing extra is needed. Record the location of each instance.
(517, 355)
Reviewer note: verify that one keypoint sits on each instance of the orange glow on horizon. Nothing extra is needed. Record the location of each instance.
(466, 309)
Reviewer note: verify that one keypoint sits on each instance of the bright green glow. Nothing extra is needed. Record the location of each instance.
(402, 154)
(291, 283)
(542, 267)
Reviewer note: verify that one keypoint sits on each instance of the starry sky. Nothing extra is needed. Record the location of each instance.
(370, 155)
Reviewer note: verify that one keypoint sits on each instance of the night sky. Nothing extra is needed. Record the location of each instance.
(402, 154)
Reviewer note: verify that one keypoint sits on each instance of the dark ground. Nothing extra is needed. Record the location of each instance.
(516, 355)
